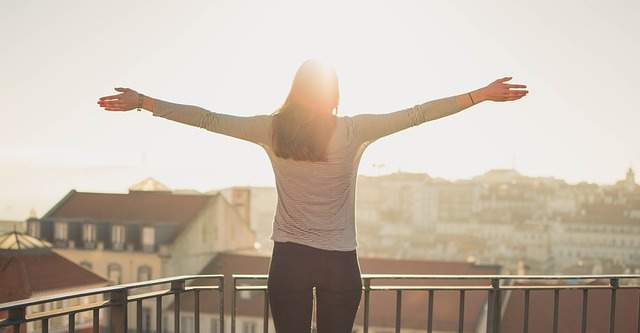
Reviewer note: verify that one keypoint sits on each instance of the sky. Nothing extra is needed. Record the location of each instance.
(579, 122)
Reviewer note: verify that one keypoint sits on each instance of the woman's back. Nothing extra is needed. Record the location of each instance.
(316, 200)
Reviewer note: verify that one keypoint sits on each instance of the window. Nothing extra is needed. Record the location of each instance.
(33, 229)
(144, 273)
(60, 230)
(117, 236)
(215, 325)
(148, 238)
(114, 273)
(186, 324)
(249, 327)
(89, 233)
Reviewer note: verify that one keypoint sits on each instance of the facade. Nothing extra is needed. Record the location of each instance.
(144, 234)
(258, 205)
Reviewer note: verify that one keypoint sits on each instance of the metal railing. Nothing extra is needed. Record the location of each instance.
(495, 288)
(116, 299)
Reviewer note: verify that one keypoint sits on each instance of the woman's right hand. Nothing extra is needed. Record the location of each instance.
(499, 91)
(127, 100)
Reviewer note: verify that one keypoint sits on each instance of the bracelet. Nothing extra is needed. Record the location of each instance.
(140, 99)
(472, 102)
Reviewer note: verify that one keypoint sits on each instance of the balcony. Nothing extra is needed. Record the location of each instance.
(115, 308)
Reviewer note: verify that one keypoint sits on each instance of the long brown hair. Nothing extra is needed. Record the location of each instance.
(304, 124)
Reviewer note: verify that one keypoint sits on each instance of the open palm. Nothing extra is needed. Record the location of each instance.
(499, 91)
(127, 100)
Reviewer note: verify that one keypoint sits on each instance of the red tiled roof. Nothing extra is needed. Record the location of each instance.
(40, 270)
(382, 306)
(134, 207)
(570, 311)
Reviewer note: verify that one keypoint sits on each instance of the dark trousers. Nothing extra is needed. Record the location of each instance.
(293, 272)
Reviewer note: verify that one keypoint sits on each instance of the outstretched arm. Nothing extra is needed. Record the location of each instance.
(255, 129)
(370, 127)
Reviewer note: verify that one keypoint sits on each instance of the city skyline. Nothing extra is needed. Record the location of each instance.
(20, 210)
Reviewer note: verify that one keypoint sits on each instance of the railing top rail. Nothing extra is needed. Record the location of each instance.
(468, 277)
(94, 291)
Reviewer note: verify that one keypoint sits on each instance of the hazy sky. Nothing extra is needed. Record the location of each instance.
(579, 122)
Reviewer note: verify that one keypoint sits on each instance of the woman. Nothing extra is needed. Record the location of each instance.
(315, 155)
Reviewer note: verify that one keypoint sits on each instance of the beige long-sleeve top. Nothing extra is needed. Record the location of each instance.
(316, 200)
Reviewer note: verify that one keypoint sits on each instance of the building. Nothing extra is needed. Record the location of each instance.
(10, 225)
(29, 268)
(148, 233)
(258, 206)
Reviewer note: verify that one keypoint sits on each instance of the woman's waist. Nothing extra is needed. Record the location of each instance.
(293, 248)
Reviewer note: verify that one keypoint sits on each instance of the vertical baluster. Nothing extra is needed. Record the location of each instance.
(96, 321)
(585, 302)
(196, 315)
(72, 322)
(638, 324)
(233, 307)
(556, 303)
(498, 309)
(367, 290)
(265, 325)
(221, 304)
(430, 311)
(461, 312)
(158, 314)
(139, 315)
(493, 306)
(177, 287)
(17, 315)
(612, 314)
(525, 324)
(176, 313)
(398, 310)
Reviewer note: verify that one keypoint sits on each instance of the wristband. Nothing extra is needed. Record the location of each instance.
(472, 102)
(140, 99)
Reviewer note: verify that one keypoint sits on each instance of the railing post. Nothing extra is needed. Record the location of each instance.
(233, 307)
(221, 305)
(367, 289)
(118, 311)
(398, 310)
(615, 283)
(17, 317)
(493, 309)
(178, 288)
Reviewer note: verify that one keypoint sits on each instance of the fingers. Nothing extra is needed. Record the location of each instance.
(120, 89)
(515, 85)
(506, 78)
(112, 103)
(111, 97)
